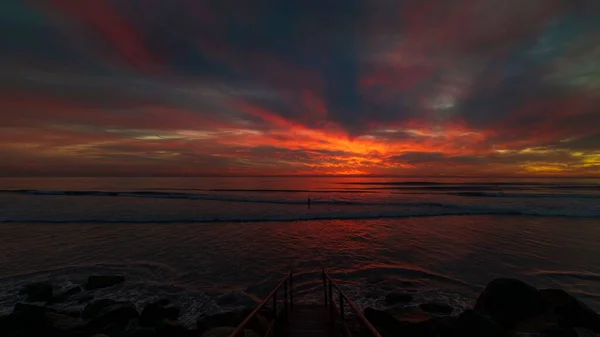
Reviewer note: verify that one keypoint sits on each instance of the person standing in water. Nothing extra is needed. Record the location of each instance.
(308, 202)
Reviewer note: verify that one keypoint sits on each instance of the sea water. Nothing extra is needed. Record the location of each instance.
(212, 244)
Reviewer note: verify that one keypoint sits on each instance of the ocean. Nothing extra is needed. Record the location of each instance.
(211, 244)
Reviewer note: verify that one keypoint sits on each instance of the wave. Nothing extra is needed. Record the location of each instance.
(288, 190)
(245, 199)
(297, 218)
(524, 195)
(474, 185)
(569, 274)
(206, 196)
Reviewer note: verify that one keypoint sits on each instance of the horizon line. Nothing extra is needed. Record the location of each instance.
(306, 176)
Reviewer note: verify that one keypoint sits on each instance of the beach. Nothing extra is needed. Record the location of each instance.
(208, 256)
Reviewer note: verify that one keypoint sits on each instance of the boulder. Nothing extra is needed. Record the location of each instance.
(62, 325)
(30, 310)
(139, 332)
(37, 292)
(439, 326)
(226, 331)
(258, 323)
(473, 324)
(63, 296)
(84, 299)
(103, 281)
(510, 302)
(569, 311)
(540, 324)
(192, 333)
(155, 313)
(225, 319)
(436, 308)
(395, 298)
(170, 328)
(93, 308)
(582, 332)
(8, 325)
(239, 298)
(409, 314)
(33, 320)
(118, 313)
(385, 323)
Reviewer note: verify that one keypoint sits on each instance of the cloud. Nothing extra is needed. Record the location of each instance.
(381, 87)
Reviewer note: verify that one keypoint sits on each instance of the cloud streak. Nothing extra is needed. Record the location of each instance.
(463, 87)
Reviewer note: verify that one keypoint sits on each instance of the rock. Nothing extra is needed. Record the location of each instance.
(139, 332)
(436, 308)
(117, 313)
(103, 281)
(8, 325)
(63, 325)
(384, 322)
(39, 311)
(108, 315)
(192, 333)
(440, 326)
(37, 292)
(154, 313)
(395, 298)
(539, 324)
(387, 325)
(93, 309)
(258, 323)
(85, 299)
(582, 332)
(236, 298)
(409, 314)
(73, 291)
(33, 320)
(30, 309)
(170, 328)
(225, 319)
(473, 324)
(164, 302)
(226, 331)
(61, 297)
(570, 312)
(510, 302)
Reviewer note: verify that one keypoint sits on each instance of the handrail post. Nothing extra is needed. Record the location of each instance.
(341, 306)
(325, 287)
(291, 289)
(342, 313)
(275, 305)
(285, 300)
(331, 304)
(239, 330)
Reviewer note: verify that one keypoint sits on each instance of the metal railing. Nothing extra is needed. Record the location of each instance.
(288, 303)
(329, 286)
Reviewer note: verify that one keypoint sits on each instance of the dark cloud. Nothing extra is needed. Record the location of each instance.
(301, 85)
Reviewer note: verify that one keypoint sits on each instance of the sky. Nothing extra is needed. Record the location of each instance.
(263, 87)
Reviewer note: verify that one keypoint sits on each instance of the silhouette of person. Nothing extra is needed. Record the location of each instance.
(308, 202)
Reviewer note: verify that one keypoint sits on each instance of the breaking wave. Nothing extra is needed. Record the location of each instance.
(365, 216)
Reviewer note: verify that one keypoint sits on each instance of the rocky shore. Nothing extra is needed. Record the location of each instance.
(39, 315)
(506, 308)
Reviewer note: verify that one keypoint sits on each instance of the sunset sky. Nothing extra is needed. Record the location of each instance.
(398, 87)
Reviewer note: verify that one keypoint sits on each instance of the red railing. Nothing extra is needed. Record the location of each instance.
(329, 286)
(288, 303)
(337, 312)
